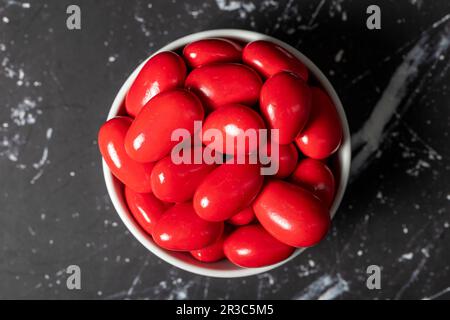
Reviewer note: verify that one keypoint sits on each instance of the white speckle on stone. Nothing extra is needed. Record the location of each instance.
(5, 20)
(72, 173)
(242, 7)
(24, 113)
(38, 165)
(339, 55)
(406, 256)
(359, 253)
(31, 231)
(417, 3)
(10, 146)
(380, 197)
(418, 168)
(49, 133)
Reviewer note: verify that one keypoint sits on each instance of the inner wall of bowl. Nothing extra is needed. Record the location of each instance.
(223, 268)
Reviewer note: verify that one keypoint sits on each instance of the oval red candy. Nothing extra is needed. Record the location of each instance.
(243, 217)
(226, 190)
(315, 176)
(212, 50)
(224, 83)
(212, 253)
(322, 134)
(269, 59)
(181, 229)
(252, 247)
(285, 104)
(239, 127)
(291, 214)
(162, 72)
(111, 139)
(149, 137)
(177, 182)
(145, 208)
(286, 160)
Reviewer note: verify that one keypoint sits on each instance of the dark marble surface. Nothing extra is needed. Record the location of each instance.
(56, 86)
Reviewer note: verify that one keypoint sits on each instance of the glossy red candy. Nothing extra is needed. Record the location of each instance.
(145, 208)
(213, 50)
(181, 229)
(224, 83)
(287, 158)
(162, 72)
(149, 137)
(177, 182)
(291, 214)
(233, 121)
(111, 143)
(269, 59)
(252, 246)
(211, 253)
(285, 103)
(322, 134)
(227, 190)
(315, 176)
(244, 217)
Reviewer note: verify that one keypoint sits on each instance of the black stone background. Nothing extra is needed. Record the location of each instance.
(395, 213)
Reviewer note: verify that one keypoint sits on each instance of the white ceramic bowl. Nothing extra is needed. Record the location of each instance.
(224, 269)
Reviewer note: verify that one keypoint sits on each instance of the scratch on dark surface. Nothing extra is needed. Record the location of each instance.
(425, 251)
(137, 278)
(282, 16)
(414, 275)
(438, 295)
(369, 138)
(325, 287)
(315, 14)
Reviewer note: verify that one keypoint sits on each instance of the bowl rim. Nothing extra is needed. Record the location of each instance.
(343, 154)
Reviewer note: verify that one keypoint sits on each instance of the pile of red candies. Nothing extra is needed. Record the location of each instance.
(230, 210)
